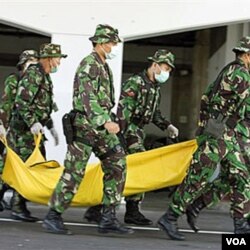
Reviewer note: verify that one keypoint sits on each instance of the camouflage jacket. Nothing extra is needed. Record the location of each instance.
(34, 99)
(229, 97)
(243, 126)
(8, 98)
(139, 103)
(93, 94)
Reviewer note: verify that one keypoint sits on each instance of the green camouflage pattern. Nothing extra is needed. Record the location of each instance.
(8, 98)
(26, 55)
(34, 99)
(229, 99)
(139, 101)
(163, 56)
(33, 103)
(93, 99)
(218, 189)
(113, 167)
(232, 91)
(50, 50)
(6, 107)
(104, 34)
(243, 45)
(93, 92)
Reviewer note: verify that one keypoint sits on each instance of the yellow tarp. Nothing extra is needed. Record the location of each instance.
(154, 169)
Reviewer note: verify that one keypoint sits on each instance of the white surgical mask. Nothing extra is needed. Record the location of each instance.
(113, 53)
(162, 77)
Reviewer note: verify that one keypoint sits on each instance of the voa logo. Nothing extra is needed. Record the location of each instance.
(236, 241)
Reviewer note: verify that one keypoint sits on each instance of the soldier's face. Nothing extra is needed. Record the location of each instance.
(248, 56)
(54, 64)
(246, 59)
(162, 67)
(55, 61)
(108, 46)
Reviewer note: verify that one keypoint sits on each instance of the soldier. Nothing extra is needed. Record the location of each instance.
(94, 130)
(138, 106)
(220, 188)
(26, 58)
(32, 110)
(217, 140)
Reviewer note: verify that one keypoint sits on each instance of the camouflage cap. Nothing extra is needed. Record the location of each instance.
(163, 56)
(243, 45)
(26, 55)
(104, 34)
(50, 50)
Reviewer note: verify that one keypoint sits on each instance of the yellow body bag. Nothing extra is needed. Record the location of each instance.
(36, 178)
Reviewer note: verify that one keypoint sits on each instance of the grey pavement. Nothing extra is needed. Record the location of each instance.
(24, 236)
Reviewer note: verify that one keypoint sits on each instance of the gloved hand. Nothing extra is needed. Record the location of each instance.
(36, 128)
(2, 131)
(55, 136)
(173, 132)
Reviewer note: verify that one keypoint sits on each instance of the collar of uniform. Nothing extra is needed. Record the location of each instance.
(146, 78)
(98, 58)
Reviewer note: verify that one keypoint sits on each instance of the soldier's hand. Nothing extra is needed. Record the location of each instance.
(55, 135)
(172, 131)
(2, 131)
(36, 128)
(112, 127)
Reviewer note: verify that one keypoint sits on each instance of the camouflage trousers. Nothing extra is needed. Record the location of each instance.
(22, 142)
(220, 187)
(105, 146)
(135, 143)
(210, 152)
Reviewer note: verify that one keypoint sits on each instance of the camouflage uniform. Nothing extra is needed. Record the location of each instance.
(6, 108)
(223, 101)
(93, 99)
(11, 85)
(139, 105)
(220, 187)
(8, 100)
(224, 150)
(33, 104)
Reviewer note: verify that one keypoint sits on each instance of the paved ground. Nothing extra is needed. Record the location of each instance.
(26, 236)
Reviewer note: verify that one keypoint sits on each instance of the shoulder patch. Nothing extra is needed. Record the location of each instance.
(93, 71)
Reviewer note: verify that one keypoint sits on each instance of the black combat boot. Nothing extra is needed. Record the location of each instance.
(53, 223)
(93, 214)
(168, 223)
(134, 216)
(19, 209)
(110, 224)
(192, 213)
(241, 226)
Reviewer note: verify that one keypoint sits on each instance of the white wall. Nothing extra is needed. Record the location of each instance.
(76, 47)
(225, 54)
(134, 18)
(216, 63)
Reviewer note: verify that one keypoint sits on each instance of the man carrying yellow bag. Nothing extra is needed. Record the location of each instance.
(32, 110)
